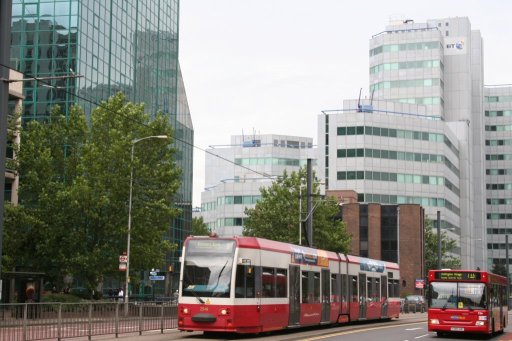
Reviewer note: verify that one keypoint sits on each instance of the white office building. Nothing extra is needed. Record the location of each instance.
(236, 172)
(420, 136)
(498, 170)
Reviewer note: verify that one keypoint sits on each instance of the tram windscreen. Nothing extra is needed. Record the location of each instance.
(207, 269)
(457, 295)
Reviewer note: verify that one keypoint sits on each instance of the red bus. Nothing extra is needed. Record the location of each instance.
(465, 301)
(253, 285)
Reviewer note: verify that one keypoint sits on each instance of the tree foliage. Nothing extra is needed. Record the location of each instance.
(499, 269)
(199, 227)
(448, 245)
(276, 215)
(74, 191)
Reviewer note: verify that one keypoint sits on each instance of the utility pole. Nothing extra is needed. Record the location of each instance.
(5, 50)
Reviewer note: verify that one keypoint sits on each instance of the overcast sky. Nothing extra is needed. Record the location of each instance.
(271, 66)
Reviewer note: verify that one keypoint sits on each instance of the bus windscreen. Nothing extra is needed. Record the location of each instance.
(453, 295)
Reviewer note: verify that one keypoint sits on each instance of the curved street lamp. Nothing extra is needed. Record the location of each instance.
(130, 214)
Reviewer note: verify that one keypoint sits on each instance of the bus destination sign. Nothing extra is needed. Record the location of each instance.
(458, 276)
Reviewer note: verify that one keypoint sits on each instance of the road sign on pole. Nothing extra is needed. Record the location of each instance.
(157, 278)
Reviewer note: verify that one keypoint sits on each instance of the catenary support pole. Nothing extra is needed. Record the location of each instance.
(508, 271)
(309, 226)
(439, 263)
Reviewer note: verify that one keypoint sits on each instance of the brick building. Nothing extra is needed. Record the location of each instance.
(374, 230)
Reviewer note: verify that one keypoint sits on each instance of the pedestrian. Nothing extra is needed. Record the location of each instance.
(120, 294)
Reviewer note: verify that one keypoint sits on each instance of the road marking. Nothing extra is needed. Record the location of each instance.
(413, 328)
(357, 331)
(419, 337)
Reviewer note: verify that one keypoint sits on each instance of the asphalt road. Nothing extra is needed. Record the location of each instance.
(315, 333)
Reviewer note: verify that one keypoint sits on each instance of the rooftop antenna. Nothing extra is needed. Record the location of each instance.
(359, 101)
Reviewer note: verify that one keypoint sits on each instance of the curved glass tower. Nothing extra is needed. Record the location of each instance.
(129, 46)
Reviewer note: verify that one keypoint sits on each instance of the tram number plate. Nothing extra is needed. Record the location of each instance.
(457, 329)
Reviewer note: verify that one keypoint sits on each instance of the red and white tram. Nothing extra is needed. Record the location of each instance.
(252, 285)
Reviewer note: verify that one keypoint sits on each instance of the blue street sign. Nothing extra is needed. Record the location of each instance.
(156, 278)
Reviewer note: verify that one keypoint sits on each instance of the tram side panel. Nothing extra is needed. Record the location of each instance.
(335, 295)
(373, 289)
(274, 306)
(247, 301)
(354, 300)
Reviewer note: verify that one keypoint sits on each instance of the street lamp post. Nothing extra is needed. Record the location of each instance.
(130, 214)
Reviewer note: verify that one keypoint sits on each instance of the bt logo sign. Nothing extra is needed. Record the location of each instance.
(457, 45)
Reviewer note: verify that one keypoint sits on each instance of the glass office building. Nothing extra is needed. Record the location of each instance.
(128, 45)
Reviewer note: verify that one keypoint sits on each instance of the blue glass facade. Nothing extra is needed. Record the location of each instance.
(129, 46)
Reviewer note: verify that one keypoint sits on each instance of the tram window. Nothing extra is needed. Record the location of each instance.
(335, 288)
(353, 292)
(376, 290)
(396, 287)
(316, 286)
(268, 282)
(384, 288)
(281, 282)
(244, 282)
(344, 288)
(305, 286)
(369, 288)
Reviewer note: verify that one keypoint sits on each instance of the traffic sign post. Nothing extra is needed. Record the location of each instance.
(123, 262)
(157, 278)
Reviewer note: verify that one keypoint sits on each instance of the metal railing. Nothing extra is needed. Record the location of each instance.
(39, 321)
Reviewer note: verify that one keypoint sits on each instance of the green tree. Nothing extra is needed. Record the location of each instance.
(499, 269)
(276, 215)
(448, 245)
(199, 227)
(74, 190)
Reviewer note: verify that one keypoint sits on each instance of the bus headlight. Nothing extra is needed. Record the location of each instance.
(480, 323)
(434, 321)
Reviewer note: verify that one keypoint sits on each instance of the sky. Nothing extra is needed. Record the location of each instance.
(271, 66)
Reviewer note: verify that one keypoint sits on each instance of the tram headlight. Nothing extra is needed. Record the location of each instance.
(185, 310)
(434, 321)
(224, 311)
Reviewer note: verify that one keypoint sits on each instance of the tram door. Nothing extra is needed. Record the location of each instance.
(294, 290)
(384, 295)
(326, 295)
(362, 296)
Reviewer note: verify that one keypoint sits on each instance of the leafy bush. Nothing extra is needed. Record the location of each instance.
(61, 298)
